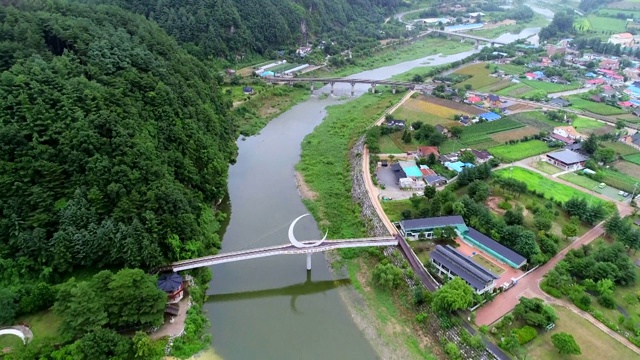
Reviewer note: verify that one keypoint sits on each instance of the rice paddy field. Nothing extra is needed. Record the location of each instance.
(516, 134)
(480, 76)
(635, 158)
(434, 111)
(600, 24)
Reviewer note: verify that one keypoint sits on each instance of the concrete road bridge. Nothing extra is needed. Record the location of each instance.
(332, 81)
(477, 39)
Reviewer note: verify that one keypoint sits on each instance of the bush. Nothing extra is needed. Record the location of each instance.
(581, 300)
(452, 350)
(525, 334)
(607, 301)
(504, 205)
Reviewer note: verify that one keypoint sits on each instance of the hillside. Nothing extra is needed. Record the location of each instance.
(114, 142)
(230, 28)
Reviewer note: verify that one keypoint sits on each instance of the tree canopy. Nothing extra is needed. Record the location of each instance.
(114, 142)
(452, 296)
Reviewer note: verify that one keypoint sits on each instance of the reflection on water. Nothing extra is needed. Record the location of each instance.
(308, 287)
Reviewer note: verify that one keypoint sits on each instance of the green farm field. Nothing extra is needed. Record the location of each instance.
(621, 149)
(549, 87)
(539, 183)
(635, 158)
(583, 123)
(594, 107)
(480, 76)
(519, 151)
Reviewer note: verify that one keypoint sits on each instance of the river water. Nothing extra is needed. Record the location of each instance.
(272, 308)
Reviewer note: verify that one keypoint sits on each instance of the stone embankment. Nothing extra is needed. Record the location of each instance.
(376, 227)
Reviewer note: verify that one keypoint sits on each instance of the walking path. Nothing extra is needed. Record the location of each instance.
(21, 331)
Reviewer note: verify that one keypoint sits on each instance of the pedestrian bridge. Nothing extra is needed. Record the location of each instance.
(288, 249)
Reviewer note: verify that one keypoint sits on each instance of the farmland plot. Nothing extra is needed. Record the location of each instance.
(515, 134)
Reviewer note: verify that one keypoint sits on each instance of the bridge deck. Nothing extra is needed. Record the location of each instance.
(278, 250)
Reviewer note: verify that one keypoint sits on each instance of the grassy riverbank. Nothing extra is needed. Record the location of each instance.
(396, 54)
(384, 317)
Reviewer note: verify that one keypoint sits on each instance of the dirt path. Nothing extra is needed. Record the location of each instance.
(303, 189)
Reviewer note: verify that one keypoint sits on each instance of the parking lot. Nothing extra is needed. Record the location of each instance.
(391, 189)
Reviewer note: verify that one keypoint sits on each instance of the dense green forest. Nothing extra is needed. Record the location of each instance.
(114, 143)
(235, 28)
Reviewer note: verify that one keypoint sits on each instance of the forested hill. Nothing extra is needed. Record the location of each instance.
(229, 28)
(114, 142)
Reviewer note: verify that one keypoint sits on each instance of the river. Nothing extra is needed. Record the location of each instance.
(272, 308)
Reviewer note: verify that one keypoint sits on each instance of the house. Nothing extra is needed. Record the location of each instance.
(172, 284)
(396, 123)
(567, 159)
(564, 139)
(398, 172)
(453, 157)
(426, 171)
(559, 102)
(425, 151)
(489, 116)
(303, 51)
(625, 104)
(451, 262)
(494, 100)
(632, 140)
(624, 39)
(457, 166)
(552, 50)
(574, 147)
(411, 229)
(596, 98)
(442, 130)
(636, 112)
(609, 64)
(482, 156)
(247, 90)
(598, 81)
(474, 99)
(568, 132)
(435, 180)
(409, 183)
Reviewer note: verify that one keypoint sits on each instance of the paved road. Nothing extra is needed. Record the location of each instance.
(529, 285)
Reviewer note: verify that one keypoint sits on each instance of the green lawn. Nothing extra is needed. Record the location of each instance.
(594, 107)
(546, 167)
(606, 24)
(519, 151)
(582, 123)
(9, 341)
(387, 146)
(594, 343)
(619, 180)
(394, 208)
(551, 189)
(485, 263)
(610, 191)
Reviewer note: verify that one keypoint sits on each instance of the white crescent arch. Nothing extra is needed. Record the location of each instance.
(297, 243)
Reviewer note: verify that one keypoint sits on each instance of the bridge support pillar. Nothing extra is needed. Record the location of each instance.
(309, 261)
(312, 87)
(353, 89)
(493, 44)
(332, 83)
(393, 89)
(373, 88)
(477, 44)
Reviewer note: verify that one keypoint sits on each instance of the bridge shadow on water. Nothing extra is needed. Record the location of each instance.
(308, 287)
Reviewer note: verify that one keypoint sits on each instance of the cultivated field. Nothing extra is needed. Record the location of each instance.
(550, 188)
(625, 5)
(481, 133)
(594, 107)
(459, 107)
(480, 76)
(487, 264)
(550, 87)
(635, 158)
(519, 151)
(536, 119)
(620, 148)
(515, 90)
(628, 168)
(434, 111)
(516, 134)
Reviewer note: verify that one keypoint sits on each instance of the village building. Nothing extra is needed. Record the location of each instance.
(559, 102)
(622, 39)
(568, 132)
(567, 159)
(411, 229)
(482, 156)
(609, 64)
(452, 263)
(425, 151)
(435, 180)
(172, 284)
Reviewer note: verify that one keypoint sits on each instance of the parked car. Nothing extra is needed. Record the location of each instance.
(602, 185)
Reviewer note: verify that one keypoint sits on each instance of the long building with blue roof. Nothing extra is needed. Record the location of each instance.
(453, 263)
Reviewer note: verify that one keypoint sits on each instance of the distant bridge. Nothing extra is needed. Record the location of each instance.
(477, 39)
(289, 249)
(332, 81)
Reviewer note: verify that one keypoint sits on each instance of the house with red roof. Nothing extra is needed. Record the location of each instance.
(598, 81)
(425, 151)
(474, 99)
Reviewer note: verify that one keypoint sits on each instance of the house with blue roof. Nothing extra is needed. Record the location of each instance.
(489, 116)
(538, 74)
(590, 74)
(457, 166)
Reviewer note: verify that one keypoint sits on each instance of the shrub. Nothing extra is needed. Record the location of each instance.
(452, 350)
(504, 205)
(525, 334)
(607, 301)
(581, 300)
